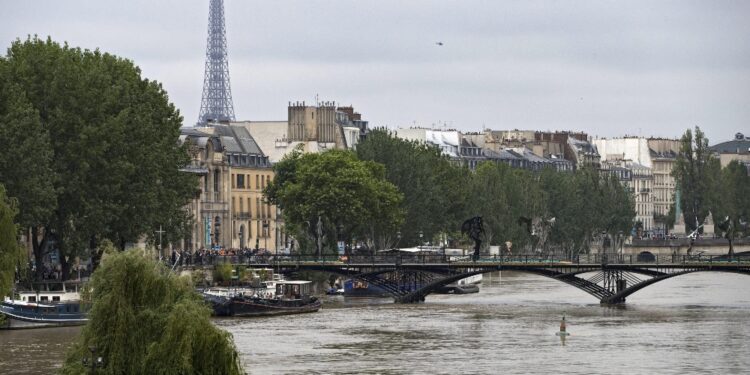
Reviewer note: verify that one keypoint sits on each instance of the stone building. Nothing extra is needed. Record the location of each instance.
(658, 154)
(736, 149)
(229, 210)
(315, 128)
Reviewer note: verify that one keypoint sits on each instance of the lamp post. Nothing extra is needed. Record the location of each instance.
(265, 236)
(161, 249)
(95, 361)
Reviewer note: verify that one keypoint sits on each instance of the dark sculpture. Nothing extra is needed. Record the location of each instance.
(474, 228)
(727, 227)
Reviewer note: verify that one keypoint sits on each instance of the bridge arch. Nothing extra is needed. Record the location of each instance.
(619, 297)
(646, 257)
(603, 294)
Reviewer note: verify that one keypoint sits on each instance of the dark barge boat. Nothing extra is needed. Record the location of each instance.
(291, 297)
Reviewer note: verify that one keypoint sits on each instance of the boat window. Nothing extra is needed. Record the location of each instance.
(44, 298)
(32, 299)
(56, 298)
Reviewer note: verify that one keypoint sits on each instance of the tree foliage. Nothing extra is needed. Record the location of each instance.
(583, 203)
(434, 189)
(697, 174)
(351, 197)
(11, 253)
(734, 197)
(94, 148)
(145, 320)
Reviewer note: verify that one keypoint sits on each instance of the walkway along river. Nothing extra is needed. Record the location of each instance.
(697, 323)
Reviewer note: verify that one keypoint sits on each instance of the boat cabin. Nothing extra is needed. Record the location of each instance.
(51, 295)
(295, 289)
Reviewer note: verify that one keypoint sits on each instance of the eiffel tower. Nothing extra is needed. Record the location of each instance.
(216, 103)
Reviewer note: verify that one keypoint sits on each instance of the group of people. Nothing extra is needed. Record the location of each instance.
(205, 256)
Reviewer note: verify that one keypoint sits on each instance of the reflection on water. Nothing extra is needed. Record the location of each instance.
(698, 323)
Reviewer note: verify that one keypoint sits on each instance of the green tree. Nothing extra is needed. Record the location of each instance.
(434, 189)
(501, 195)
(110, 156)
(351, 197)
(11, 253)
(734, 200)
(697, 174)
(25, 164)
(145, 320)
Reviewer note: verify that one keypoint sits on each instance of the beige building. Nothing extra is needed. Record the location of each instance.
(313, 128)
(657, 154)
(228, 210)
(642, 187)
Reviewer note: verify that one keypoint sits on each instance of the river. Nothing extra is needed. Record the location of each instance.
(697, 323)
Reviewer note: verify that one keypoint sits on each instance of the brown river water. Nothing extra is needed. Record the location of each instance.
(692, 324)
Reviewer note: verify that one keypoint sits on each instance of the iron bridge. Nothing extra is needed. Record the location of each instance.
(410, 278)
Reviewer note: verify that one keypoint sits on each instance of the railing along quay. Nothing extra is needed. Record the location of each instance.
(583, 259)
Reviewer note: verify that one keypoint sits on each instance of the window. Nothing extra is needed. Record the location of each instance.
(56, 299)
(217, 178)
(32, 299)
(262, 182)
(234, 208)
(233, 186)
(44, 298)
(241, 181)
(249, 211)
(257, 181)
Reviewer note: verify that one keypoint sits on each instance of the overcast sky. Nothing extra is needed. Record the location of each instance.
(609, 68)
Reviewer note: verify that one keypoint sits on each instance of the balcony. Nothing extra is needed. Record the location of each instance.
(242, 216)
(220, 207)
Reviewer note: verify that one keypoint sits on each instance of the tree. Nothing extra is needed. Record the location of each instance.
(351, 198)
(696, 172)
(734, 199)
(108, 156)
(11, 253)
(434, 189)
(25, 164)
(501, 195)
(146, 320)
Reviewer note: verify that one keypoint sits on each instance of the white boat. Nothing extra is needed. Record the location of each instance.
(35, 309)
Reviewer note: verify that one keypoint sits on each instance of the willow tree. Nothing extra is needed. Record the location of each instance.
(145, 320)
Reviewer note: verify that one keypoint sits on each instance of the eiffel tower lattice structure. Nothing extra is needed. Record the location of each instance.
(216, 102)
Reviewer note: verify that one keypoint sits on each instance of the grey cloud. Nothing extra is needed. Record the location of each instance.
(605, 67)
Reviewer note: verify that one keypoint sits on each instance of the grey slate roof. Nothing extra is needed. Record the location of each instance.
(735, 146)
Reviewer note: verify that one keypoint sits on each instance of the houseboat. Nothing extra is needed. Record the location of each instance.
(36, 309)
(290, 297)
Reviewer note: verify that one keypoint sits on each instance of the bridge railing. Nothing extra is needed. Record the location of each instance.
(431, 259)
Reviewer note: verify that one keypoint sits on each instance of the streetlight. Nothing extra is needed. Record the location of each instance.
(95, 361)
(420, 240)
(265, 236)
